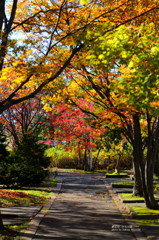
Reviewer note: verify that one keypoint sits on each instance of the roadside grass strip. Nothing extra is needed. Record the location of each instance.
(144, 211)
(129, 196)
(36, 196)
(148, 222)
(23, 198)
(83, 171)
(51, 183)
(116, 175)
(149, 217)
(10, 232)
(20, 198)
(128, 183)
(27, 197)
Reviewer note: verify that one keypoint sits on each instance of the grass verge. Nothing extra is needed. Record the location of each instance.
(129, 183)
(83, 171)
(146, 211)
(24, 198)
(115, 173)
(123, 185)
(10, 232)
(148, 222)
(129, 196)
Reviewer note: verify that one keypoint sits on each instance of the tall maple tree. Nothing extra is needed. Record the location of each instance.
(76, 129)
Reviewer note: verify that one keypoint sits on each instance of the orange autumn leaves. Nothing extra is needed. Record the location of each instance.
(11, 198)
(44, 34)
(12, 194)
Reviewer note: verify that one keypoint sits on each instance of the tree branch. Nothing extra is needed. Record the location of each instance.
(10, 101)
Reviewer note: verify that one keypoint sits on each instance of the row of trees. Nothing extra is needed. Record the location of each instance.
(118, 72)
(65, 126)
(100, 57)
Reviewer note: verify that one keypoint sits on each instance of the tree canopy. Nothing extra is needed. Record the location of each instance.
(40, 38)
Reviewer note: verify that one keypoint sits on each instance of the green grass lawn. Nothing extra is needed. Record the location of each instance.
(20, 198)
(51, 183)
(129, 196)
(145, 211)
(83, 171)
(129, 183)
(75, 170)
(142, 210)
(148, 222)
(10, 232)
(115, 173)
(24, 198)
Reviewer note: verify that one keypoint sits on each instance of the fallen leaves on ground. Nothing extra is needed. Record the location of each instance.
(11, 194)
(10, 198)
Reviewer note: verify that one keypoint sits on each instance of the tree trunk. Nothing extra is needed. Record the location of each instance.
(149, 167)
(1, 222)
(149, 193)
(85, 164)
(117, 168)
(146, 167)
(137, 188)
(95, 163)
(90, 157)
(80, 162)
(137, 157)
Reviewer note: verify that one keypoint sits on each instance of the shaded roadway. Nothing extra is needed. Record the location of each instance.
(83, 210)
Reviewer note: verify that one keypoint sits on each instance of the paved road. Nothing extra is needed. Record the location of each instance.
(83, 210)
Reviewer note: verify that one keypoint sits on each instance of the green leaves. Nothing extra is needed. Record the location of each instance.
(132, 53)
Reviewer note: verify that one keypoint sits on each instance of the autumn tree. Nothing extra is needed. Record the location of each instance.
(22, 118)
(40, 38)
(77, 130)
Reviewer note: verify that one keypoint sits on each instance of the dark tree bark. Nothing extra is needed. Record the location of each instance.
(153, 141)
(1, 222)
(146, 166)
(85, 165)
(137, 156)
(137, 188)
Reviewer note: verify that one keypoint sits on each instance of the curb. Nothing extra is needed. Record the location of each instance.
(28, 234)
(126, 213)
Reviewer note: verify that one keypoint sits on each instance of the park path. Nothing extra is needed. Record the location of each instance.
(83, 210)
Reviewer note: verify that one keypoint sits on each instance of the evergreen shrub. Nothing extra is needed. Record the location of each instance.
(26, 165)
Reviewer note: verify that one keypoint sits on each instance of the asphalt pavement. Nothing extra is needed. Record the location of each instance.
(83, 209)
